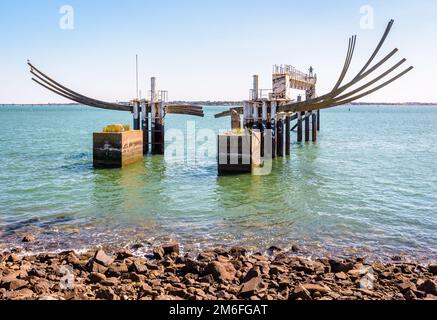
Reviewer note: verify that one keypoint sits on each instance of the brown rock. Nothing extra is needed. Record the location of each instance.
(93, 266)
(301, 293)
(167, 298)
(139, 267)
(96, 277)
(28, 238)
(124, 254)
(110, 282)
(13, 258)
(207, 279)
(251, 287)
(42, 287)
(429, 287)
(221, 271)
(22, 294)
(171, 248)
(117, 269)
(102, 258)
(316, 288)
(341, 276)
(433, 269)
(237, 251)
(17, 284)
(275, 270)
(106, 294)
(158, 253)
(340, 265)
(406, 286)
(136, 277)
(410, 295)
(40, 273)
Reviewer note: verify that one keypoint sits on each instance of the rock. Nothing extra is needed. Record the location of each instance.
(93, 266)
(275, 270)
(410, 295)
(406, 286)
(96, 277)
(6, 279)
(316, 288)
(171, 248)
(340, 265)
(295, 248)
(158, 253)
(49, 298)
(167, 298)
(255, 272)
(103, 259)
(139, 267)
(273, 250)
(117, 269)
(396, 258)
(14, 258)
(429, 287)
(301, 293)
(237, 252)
(433, 269)
(207, 279)
(106, 294)
(250, 287)
(17, 284)
(22, 294)
(221, 271)
(124, 254)
(28, 238)
(42, 287)
(136, 277)
(137, 246)
(341, 276)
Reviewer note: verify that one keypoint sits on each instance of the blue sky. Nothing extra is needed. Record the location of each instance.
(206, 49)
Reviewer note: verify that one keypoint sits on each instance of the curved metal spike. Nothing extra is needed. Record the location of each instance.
(374, 89)
(352, 43)
(95, 102)
(371, 82)
(384, 37)
(334, 103)
(75, 99)
(362, 74)
(81, 100)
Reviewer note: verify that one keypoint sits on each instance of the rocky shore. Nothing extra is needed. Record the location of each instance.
(212, 275)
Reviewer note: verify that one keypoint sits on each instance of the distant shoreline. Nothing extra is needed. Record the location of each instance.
(228, 103)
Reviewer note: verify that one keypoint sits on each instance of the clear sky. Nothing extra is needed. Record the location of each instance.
(206, 50)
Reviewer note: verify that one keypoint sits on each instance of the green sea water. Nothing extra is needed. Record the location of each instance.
(368, 187)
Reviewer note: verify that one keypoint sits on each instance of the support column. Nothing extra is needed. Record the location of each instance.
(235, 120)
(136, 115)
(287, 134)
(318, 120)
(307, 126)
(145, 126)
(264, 125)
(299, 127)
(157, 116)
(314, 126)
(273, 127)
(280, 137)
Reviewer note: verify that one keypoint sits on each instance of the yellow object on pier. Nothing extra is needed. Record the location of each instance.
(116, 128)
